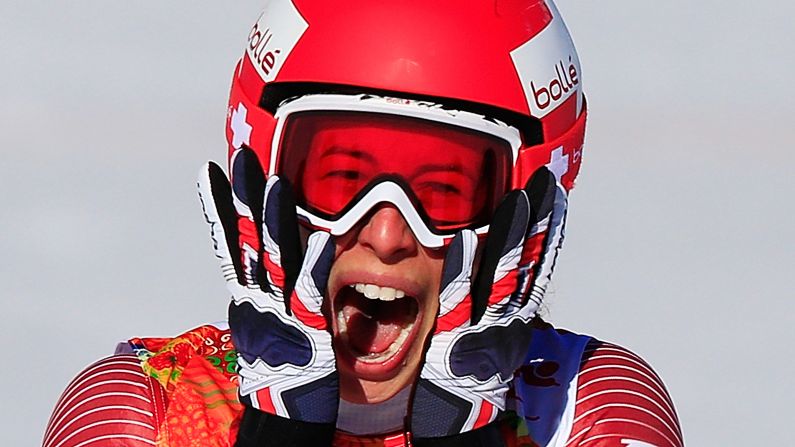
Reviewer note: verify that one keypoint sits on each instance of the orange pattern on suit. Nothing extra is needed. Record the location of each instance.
(197, 371)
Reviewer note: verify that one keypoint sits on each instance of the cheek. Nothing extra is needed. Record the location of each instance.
(433, 265)
(347, 257)
(344, 253)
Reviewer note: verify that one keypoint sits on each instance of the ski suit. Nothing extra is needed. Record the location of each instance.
(572, 390)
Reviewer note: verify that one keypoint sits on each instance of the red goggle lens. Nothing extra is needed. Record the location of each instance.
(455, 175)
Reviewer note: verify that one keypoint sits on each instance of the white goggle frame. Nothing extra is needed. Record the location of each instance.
(387, 191)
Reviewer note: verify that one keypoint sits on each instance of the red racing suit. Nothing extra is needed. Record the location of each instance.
(572, 390)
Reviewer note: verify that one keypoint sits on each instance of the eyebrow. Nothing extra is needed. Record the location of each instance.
(423, 169)
(341, 150)
(443, 168)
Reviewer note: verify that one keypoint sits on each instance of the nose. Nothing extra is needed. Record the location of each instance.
(388, 235)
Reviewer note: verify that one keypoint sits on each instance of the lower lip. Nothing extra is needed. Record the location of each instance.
(376, 370)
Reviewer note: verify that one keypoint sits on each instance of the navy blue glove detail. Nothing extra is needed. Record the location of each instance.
(496, 350)
(282, 224)
(454, 262)
(541, 190)
(310, 402)
(265, 336)
(438, 410)
(322, 269)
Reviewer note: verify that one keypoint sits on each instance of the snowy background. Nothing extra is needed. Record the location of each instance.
(679, 240)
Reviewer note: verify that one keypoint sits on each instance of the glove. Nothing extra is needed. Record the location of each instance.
(285, 357)
(482, 333)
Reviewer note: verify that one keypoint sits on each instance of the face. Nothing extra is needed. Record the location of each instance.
(383, 300)
(383, 294)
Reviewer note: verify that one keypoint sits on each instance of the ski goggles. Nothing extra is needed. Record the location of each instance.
(346, 155)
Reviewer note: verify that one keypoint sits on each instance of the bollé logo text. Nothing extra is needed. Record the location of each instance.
(564, 81)
(258, 47)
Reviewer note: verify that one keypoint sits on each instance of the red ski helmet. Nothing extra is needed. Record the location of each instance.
(509, 61)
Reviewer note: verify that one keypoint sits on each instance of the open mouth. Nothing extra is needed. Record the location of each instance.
(375, 324)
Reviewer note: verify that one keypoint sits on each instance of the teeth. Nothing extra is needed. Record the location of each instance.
(388, 293)
(371, 291)
(375, 292)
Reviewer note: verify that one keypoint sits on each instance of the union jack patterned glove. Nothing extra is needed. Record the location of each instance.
(285, 357)
(483, 332)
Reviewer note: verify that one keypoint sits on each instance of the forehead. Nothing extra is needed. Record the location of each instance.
(384, 138)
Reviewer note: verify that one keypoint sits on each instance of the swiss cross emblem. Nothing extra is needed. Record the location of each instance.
(558, 163)
(241, 130)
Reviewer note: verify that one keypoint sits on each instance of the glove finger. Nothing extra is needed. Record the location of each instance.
(215, 195)
(540, 191)
(248, 188)
(312, 282)
(281, 241)
(554, 226)
(502, 252)
(454, 308)
(248, 182)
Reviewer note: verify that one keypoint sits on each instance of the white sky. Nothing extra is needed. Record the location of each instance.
(679, 240)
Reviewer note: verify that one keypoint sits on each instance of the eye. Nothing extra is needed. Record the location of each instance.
(345, 174)
(439, 188)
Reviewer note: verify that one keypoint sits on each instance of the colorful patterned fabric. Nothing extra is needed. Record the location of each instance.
(198, 372)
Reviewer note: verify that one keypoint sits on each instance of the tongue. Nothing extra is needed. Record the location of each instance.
(371, 327)
(371, 337)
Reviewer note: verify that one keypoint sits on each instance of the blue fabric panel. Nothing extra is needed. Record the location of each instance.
(542, 383)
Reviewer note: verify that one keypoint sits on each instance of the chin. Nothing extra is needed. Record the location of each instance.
(380, 323)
